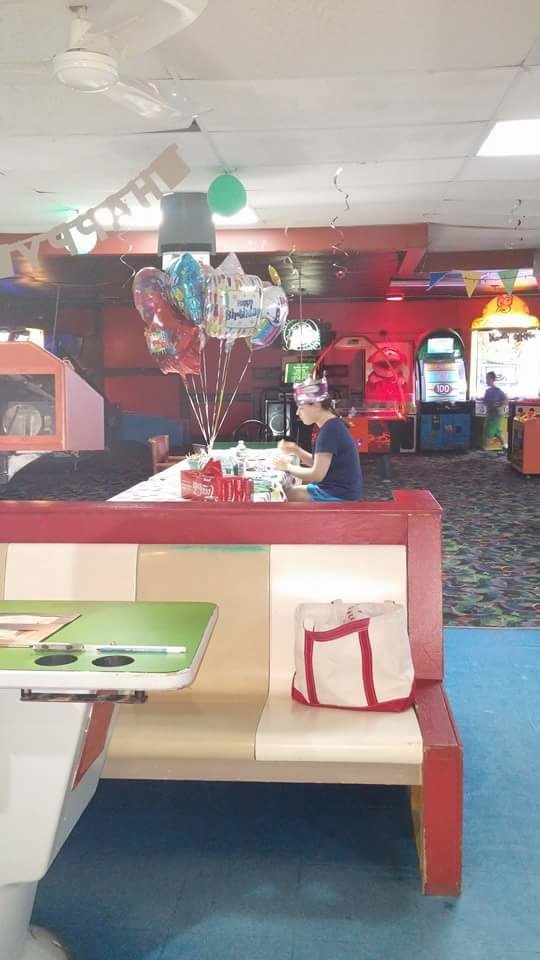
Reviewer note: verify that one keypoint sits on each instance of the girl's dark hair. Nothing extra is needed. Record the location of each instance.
(327, 404)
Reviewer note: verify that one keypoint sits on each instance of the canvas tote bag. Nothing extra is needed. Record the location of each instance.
(353, 656)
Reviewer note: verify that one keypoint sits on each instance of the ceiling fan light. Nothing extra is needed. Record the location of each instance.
(85, 71)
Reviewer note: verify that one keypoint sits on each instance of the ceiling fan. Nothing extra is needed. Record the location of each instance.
(125, 28)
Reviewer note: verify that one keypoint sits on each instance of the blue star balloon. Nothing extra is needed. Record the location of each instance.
(187, 287)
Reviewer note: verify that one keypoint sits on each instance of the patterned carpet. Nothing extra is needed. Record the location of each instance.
(491, 520)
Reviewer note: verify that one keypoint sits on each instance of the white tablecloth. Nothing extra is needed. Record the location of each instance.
(162, 487)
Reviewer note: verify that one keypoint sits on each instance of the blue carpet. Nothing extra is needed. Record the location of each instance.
(180, 871)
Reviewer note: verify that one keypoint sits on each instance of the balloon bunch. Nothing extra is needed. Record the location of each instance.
(189, 304)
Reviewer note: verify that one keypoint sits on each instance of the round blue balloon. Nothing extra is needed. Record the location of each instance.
(186, 287)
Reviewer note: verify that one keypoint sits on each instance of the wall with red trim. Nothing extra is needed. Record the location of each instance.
(125, 353)
(124, 347)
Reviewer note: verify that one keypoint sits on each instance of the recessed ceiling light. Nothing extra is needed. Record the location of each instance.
(395, 296)
(244, 218)
(512, 138)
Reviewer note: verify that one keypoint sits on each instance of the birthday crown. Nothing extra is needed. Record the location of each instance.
(311, 391)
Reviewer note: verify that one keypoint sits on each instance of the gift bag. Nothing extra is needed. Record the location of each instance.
(353, 656)
(210, 484)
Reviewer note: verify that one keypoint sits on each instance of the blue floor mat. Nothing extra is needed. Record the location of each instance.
(178, 871)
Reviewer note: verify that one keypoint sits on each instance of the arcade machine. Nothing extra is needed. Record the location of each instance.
(45, 406)
(505, 339)
(525, 455)
(445, 413)
(520, 410)
(302, 342)
(59, 687)
(381, 379)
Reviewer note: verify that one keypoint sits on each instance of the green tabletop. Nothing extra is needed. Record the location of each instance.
(124, 624)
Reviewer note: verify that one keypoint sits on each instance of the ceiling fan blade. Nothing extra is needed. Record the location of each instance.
(134, 27)
(147, 99)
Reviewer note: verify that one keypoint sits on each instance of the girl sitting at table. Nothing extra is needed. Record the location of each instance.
(332, 472)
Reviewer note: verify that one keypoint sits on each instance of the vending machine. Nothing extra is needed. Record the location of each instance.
(445, 412)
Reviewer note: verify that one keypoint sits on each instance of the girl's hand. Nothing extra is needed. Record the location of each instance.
(281, 462)
(288, 447)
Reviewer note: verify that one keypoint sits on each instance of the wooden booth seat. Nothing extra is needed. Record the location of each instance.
(159, 452)
(238, 721)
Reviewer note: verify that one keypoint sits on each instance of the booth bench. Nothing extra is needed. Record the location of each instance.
(257, 562)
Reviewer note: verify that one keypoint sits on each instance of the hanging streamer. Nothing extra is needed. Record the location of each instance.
(339, 246)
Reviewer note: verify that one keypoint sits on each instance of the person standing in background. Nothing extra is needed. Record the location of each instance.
(494, 399)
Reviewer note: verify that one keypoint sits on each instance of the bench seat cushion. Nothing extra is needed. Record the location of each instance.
(289, 731)
(172, 728)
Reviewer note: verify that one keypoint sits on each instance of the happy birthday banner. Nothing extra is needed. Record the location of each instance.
(153, 182)
(471, 278)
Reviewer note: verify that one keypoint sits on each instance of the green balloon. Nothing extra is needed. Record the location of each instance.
(226, 195)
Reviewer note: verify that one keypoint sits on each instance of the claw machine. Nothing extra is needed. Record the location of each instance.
(45, 407)
(505, 340)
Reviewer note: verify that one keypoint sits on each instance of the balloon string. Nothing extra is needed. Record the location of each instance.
(222, 392)
(194, 407)
(190, 398)
(231, 401)
(217, 387)
(205, 388)
(198, 403)
(199, 407)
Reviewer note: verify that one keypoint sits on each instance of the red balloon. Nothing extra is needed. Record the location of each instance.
(173, 340)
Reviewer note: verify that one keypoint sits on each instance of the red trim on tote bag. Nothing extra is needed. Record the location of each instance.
(361, 627)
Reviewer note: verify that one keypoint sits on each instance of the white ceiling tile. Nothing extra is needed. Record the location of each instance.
(354, 174)
(395, 99)
(492, 191)
(254, 38)
(359, 144)
(522, 100)
(501, 168)
(295, 90)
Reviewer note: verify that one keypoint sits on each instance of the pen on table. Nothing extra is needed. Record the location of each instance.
(159, 650)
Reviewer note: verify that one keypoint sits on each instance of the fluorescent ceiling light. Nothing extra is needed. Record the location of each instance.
(244, 218)
(512, 138)
(143, 217)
